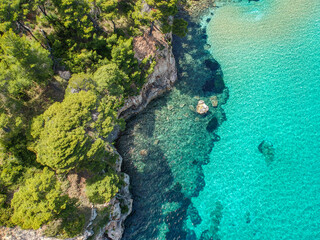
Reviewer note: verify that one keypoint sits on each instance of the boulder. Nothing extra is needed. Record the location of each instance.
(202, 108)
(66, 75)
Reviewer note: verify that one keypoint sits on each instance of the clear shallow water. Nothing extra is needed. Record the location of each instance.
(270, 56)
(191, 186)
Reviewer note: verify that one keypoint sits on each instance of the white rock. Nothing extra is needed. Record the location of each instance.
(202, 108)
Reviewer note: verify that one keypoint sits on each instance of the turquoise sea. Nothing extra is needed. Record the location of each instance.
(198, 182)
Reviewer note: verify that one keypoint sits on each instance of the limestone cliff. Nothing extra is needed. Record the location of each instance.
(163, 77)
(159, 81)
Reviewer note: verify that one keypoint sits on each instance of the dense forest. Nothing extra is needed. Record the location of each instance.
(66, 68)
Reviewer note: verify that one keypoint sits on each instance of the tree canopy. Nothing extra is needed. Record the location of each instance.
(52, 128)
(61, 133)
(22, 63)
(38, 201)
(98, 188)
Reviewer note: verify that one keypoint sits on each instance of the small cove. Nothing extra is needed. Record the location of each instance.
(189, 185)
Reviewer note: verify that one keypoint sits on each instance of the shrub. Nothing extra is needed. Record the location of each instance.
(101, 189)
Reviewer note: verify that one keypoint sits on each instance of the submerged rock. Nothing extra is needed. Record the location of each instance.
(192, 108)
(218, 84)
(212, 65)
(194, 215)
(207, 46)
(205, 235)
(214, 101)
(204, 36)
(248, 218)
(215, 84)
(267, 149)
(216, 138)
(144, 152)
(202, 108)
(208, 86)
(170, 107)
(213, 124)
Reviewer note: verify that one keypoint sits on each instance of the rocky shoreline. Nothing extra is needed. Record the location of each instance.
(161, 79)
(158, 82)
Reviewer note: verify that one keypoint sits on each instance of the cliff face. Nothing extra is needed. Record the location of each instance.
(160, 81)
(163, 76)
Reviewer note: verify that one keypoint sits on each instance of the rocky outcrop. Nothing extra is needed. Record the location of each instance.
(164, 74)
(202, 108)
(159, 81)
(121, 208)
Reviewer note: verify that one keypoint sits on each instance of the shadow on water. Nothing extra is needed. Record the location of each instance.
(165, 146)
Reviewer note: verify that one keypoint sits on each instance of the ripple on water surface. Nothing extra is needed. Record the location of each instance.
(270, 54)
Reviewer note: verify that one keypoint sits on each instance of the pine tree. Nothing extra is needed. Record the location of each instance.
(39, 201)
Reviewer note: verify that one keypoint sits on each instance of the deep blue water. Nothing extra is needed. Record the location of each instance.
(198, 184)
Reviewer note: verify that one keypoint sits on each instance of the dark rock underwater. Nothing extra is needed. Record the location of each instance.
(178, 143)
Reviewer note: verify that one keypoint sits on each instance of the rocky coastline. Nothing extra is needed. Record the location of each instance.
(163, 76)
(159, 81)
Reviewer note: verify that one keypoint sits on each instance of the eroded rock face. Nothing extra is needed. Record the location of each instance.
(115, 228)
(163, 76)
(66, 75)
(202, 108)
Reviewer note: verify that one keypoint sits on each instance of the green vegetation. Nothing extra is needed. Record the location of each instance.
(61, 134)
(52, 129)
(99, 190)
(38, 201)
